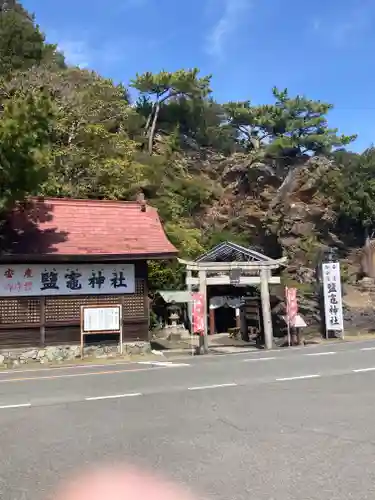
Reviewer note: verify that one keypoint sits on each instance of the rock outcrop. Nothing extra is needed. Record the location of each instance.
(291, 215)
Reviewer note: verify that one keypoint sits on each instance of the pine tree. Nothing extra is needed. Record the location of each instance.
(22, 44)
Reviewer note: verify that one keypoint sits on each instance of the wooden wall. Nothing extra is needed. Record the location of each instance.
(39, 321)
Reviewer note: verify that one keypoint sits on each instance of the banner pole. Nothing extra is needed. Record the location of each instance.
(287, 315)
(191, 324)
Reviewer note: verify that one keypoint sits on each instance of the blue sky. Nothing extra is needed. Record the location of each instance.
(321, 48)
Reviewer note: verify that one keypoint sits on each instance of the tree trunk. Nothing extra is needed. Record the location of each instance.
(148, 123)
(155, 115)
(255, 142)
(153, 128)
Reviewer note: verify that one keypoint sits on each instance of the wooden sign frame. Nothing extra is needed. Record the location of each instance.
(84, 331)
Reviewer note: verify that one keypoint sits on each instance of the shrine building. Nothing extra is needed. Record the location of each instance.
(228, 278)
(59, 254)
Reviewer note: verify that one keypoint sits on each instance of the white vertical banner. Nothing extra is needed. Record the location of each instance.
(332, 296)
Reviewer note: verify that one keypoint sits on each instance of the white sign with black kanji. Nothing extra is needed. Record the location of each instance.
(332, 296)
(17, 280)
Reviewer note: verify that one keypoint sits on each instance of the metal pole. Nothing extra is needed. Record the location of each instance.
(189, 286)
(287, 315)
(81, 344)
(289, 339)
(121, 332)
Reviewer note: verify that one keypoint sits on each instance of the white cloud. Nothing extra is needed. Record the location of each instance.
(351, 26)
(82, 54)
(232, 14)
(76, 52)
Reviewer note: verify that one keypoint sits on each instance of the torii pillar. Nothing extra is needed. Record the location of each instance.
(266, 307)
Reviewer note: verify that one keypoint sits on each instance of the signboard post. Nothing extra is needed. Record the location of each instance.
(104, 319)
(291, 309)
(332, 297)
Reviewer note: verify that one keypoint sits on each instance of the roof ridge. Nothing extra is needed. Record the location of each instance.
(86, 200)
(249, 251)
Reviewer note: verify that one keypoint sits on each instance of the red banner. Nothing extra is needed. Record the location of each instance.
(198, 313)
(291, 305)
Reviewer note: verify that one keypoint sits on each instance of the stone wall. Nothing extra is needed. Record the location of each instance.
(58, 354)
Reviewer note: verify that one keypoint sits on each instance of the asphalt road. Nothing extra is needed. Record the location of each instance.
(291, 424)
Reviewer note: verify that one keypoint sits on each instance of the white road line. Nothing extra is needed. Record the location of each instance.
(163, 363)
(71, 375)
(360, 370)
(328, 353)
(115, 396)
(301, 377)
(258, 359)
(26, 405)
(157, 363)
(368, 349)
(215, 386)
(62, 367)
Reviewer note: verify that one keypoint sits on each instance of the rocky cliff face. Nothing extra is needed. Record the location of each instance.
(286, 215)
(291, 216)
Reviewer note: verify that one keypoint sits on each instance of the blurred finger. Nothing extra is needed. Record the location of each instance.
(120, 483)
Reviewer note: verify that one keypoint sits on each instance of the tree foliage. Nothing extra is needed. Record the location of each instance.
(22, 44)
(290, 127)
(156, 90)
(24, 138)
(352, 187)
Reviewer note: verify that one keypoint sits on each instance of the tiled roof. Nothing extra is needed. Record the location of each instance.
(67, 227)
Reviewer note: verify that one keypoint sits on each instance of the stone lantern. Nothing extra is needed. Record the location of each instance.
(174, 316)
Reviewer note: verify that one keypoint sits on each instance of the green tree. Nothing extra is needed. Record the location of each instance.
(199, 122)
(22, 44)
(178, 196)
(25, 125)
(352, 187)
(91, 152)
(156, 89)
(288, 128)
(164, 275)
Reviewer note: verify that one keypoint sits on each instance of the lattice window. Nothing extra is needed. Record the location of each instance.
(68, 309)
(61, 309)
(134, 305)
(23, 310)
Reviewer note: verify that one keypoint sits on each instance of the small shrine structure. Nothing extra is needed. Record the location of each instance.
(231, 264)
(59, 254)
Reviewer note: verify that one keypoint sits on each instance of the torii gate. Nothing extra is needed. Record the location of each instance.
(257, 270)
